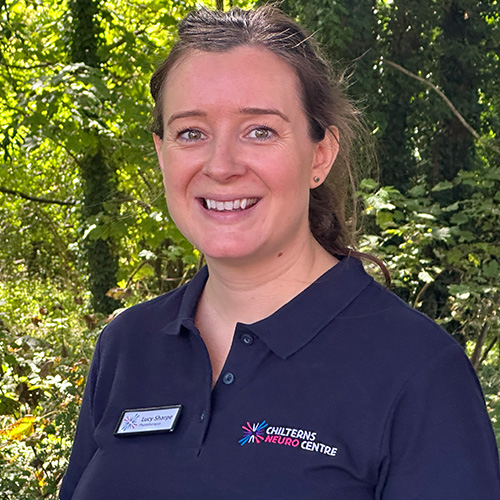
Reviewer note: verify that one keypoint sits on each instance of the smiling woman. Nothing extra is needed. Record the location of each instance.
(285, 371)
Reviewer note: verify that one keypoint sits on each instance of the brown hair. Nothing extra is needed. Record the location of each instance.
(332, 205)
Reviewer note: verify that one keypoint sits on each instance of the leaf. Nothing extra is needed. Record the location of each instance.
(425, 277)
(459, 218)
(8, 405)
(442, 186)
(417, 191)
(384, 219)
(491, 269)
(423, 215)
(452, 207)
(147, 254)
(441, 233)
(88, 231)
(368, 184)
(20, 428)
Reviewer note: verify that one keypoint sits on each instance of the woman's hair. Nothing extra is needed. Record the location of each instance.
(332, 206)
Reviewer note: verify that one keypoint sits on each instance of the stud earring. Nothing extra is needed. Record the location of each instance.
(316, 179)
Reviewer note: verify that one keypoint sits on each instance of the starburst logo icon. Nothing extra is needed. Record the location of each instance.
(130, 422)
(253, 433)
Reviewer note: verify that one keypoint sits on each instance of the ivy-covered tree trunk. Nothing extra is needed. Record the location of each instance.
(405, 27)
(453, 148)
(98, 174)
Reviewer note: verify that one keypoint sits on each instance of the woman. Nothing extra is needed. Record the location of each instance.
(282, 370)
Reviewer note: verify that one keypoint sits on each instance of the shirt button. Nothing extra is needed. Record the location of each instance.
(202, 416)
(247, 339)
(228, 378)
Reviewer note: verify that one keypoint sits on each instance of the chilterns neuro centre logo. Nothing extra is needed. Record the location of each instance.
(291, 437)
(253, 433)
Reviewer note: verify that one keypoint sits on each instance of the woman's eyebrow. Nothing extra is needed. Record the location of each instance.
(186, 114)
(264, 111)
(244, 111)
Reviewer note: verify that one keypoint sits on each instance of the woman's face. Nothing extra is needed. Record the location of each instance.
(236, 155)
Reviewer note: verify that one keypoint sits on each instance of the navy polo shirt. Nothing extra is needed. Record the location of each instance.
(344, 393)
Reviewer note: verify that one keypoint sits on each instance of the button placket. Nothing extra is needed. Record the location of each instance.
(235, 370)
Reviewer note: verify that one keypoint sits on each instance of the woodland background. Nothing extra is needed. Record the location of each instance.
(84, 229)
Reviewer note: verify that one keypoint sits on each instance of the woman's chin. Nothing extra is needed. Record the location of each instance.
(231, 254)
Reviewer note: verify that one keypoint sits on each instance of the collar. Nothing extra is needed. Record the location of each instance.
(297, 322)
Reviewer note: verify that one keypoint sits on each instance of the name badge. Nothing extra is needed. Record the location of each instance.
(148, 420)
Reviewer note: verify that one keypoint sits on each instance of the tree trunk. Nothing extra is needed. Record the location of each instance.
(98, 175)
(453, 147)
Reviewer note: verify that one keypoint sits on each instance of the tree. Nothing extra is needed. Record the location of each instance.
(97, 173)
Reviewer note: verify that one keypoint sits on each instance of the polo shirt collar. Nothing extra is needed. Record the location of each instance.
(189, 302)
(297, 322)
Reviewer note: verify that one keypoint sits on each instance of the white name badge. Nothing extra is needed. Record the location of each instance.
(148, 420)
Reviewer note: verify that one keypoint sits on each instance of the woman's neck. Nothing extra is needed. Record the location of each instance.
(251, 292)
(246, 292)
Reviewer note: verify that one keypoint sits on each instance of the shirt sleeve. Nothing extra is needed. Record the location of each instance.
(439, 443)
(84, 445)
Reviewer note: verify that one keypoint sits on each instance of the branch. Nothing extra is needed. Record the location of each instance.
(476, 355)
(422, 291)
(487, 351)
(441, 94)
(35, 198)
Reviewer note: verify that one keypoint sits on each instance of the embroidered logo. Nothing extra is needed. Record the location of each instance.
(253, 433)
(285, 436)
(130, 422)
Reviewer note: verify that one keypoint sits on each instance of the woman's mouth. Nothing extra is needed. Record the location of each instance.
(229, 206)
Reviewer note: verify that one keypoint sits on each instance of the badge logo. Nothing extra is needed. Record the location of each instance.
(129, 422)
(253, 433)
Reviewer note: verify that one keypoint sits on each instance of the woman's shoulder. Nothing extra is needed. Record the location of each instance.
(370, 314)
(165, 306)
(381, 323)
(157, 315)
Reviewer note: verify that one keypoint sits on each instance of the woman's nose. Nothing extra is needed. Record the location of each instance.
(223, 161)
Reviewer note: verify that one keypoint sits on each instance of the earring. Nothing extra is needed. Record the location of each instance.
(316, 179)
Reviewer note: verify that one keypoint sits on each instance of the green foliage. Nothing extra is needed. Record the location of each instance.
(46, 341)
(444, 257)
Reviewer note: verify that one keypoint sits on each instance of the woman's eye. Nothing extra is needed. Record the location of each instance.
(261, 133)
(191, 135)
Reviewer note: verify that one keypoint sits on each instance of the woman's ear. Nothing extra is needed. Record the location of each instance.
(158, 145)
(324, 158)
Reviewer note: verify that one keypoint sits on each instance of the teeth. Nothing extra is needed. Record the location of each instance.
(228, 206)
